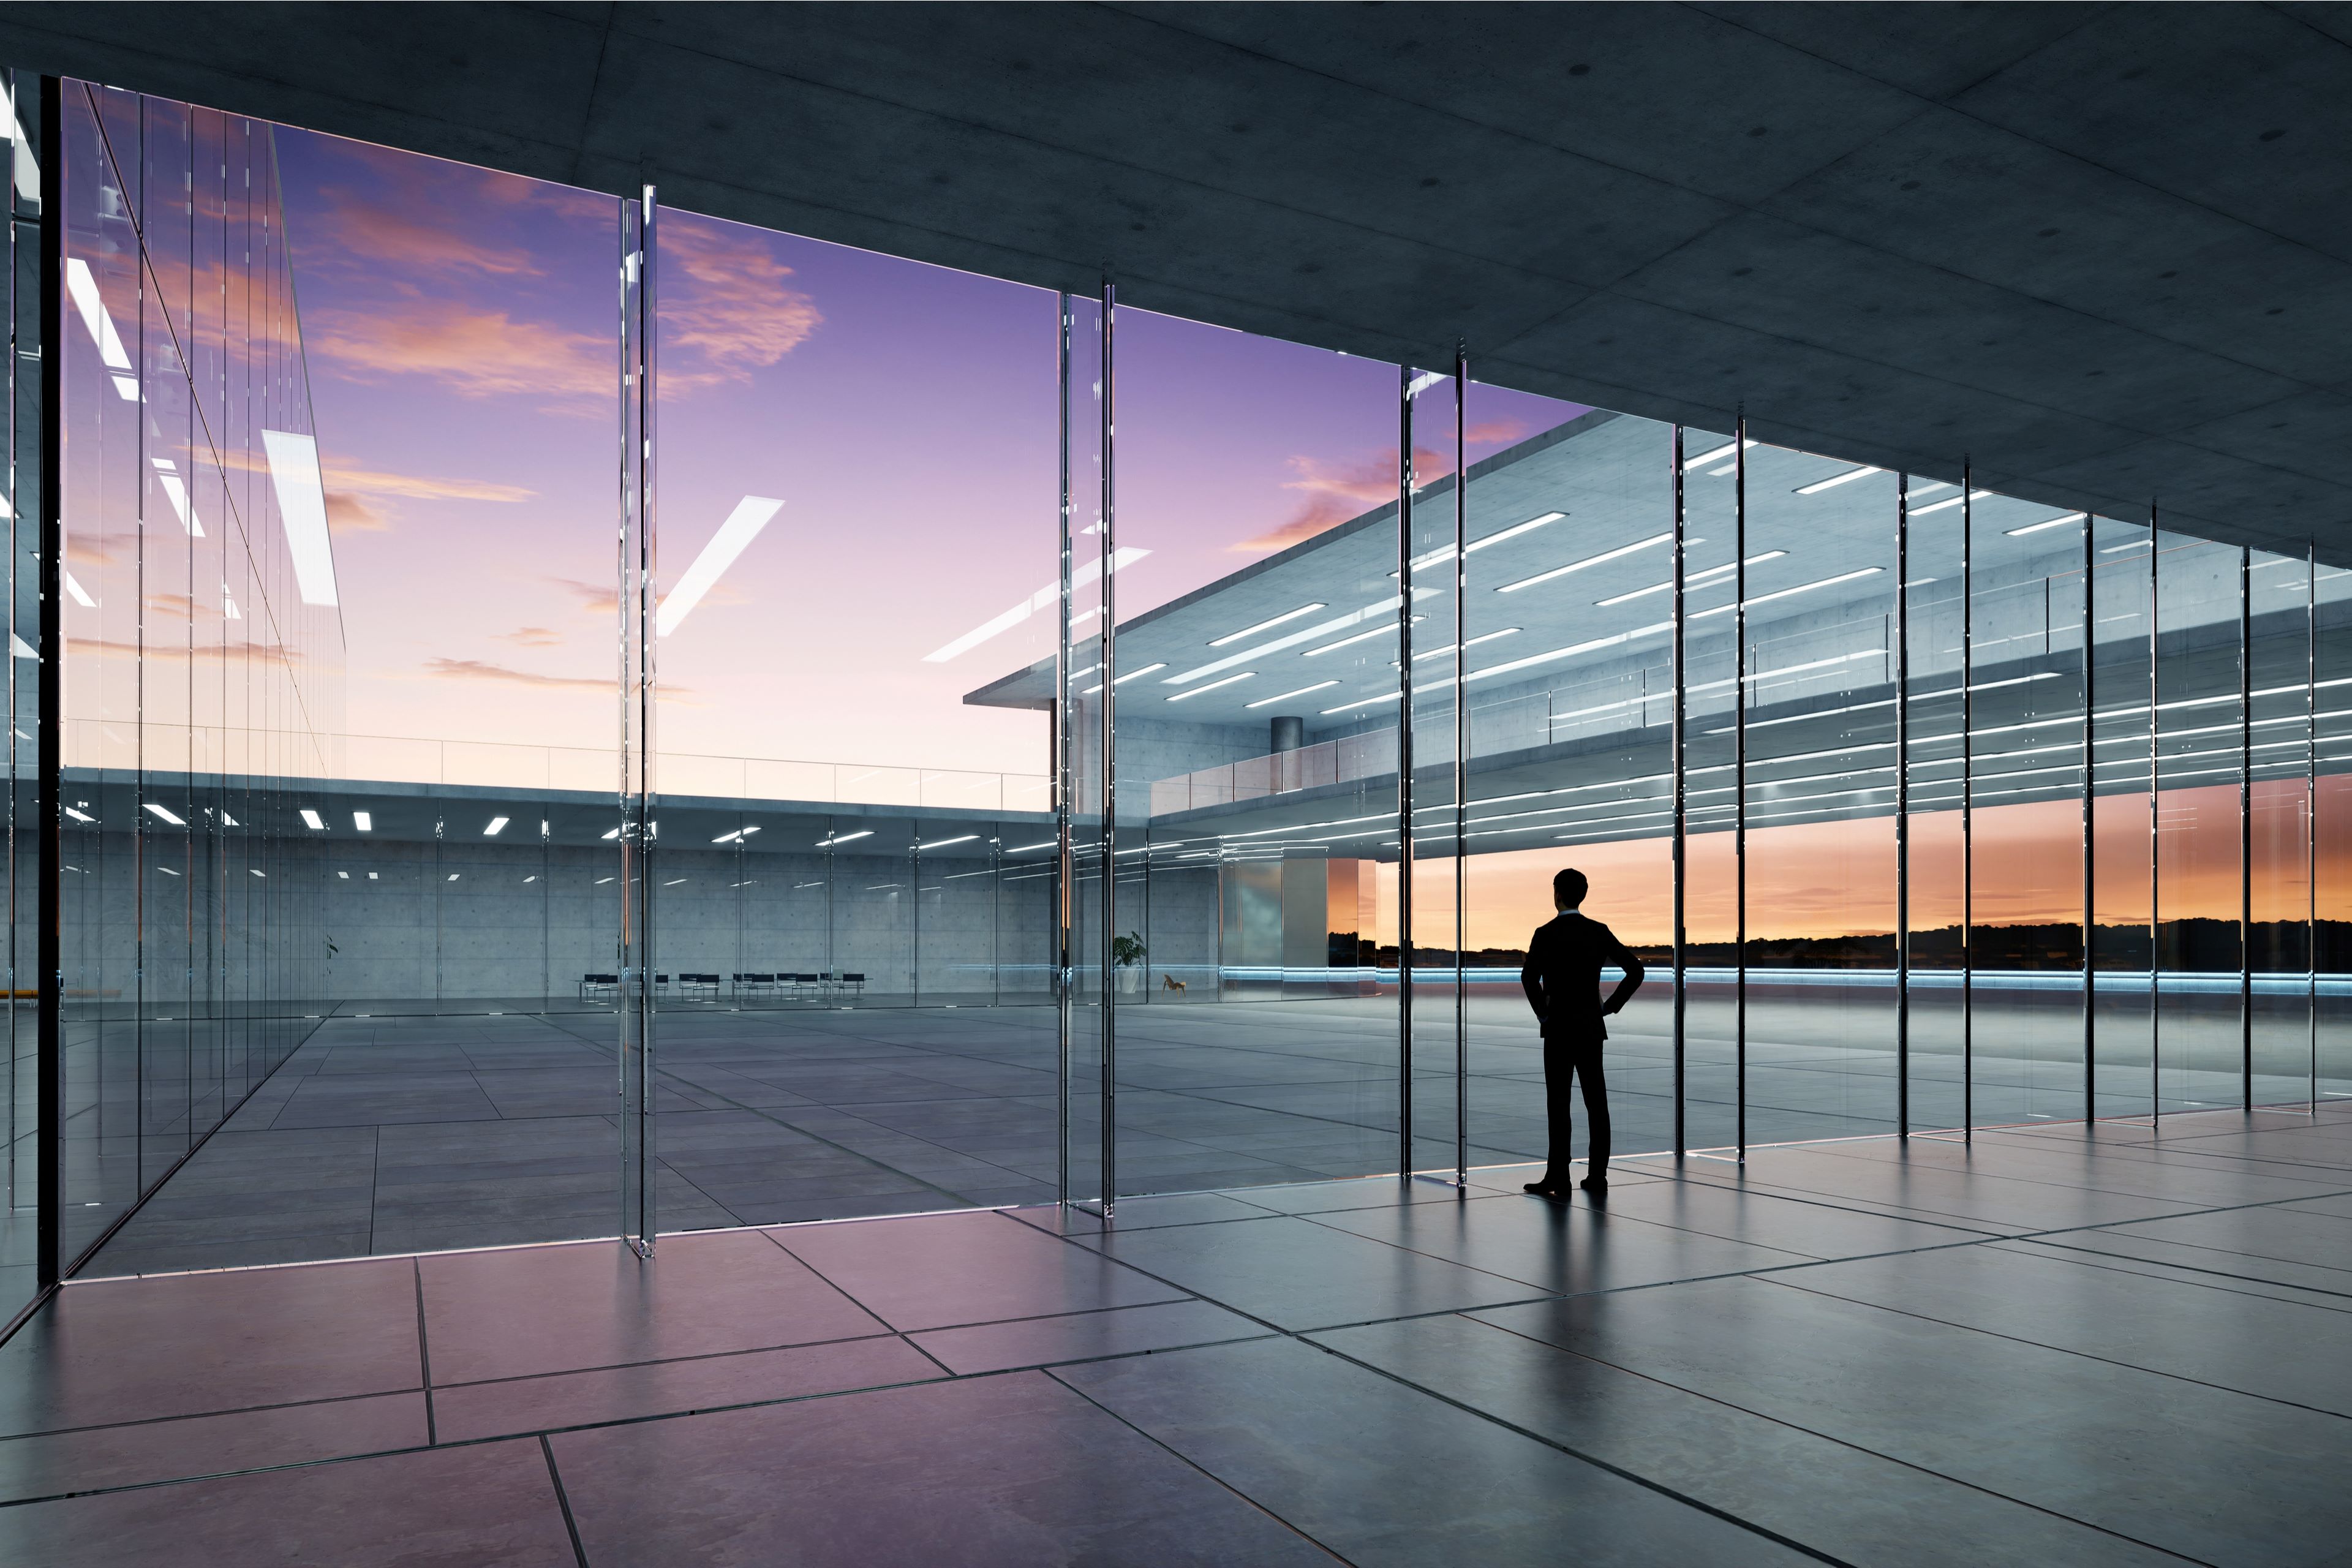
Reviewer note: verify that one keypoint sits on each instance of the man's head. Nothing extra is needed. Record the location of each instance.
(1568, 890)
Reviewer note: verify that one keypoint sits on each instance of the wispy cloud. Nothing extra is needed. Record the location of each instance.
(476, 670)
(349, 514)
(728, 300)
(390, 230)
(594, 598)
(532, 637)
(1334, 493)
(1493, 432)
(474, 353)
(420, 486)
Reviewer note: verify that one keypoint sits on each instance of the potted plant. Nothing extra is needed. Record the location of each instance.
(1127, 953)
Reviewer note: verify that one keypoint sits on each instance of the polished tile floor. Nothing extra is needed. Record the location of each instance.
(2123, 1345)
(392, 1132)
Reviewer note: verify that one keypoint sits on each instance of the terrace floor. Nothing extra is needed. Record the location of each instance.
(2104, 1346)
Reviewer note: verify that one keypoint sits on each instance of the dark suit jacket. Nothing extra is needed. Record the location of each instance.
(1562, 976)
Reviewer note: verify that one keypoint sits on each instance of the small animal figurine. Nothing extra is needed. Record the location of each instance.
(1170, 982)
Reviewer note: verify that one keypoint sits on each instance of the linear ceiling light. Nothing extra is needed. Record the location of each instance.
(1513, 532)
(79, 816)
(1285, 696)
(364, 821)
(1448, 651)
(1359, 637)
(177, 494)
(1651, 542)
(1785, 593)
(1083, 577)
(83, 287)
(843, 838)
(313, 821)
(496, 825)
(734, 536)
(166, 813)
(943, 843)
(611, 833)
(302, 509)
(1952, 500)
(2051, 522)
(1703, 458)
(1228, 680)
(81, 594)
(1818, 486)
(1131, 674)
(1266, 625)
(1690, 579)
(2120, 549)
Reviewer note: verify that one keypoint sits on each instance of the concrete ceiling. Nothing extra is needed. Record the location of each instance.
(2106, 251)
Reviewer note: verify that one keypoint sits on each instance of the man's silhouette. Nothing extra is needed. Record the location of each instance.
(1562, 977)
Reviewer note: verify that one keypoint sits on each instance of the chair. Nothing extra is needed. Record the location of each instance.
(598, 986)
(698, 987)
(854, 982)
(804, 984)
(761, 984)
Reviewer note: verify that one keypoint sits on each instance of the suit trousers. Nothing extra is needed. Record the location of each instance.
(1576, 1057)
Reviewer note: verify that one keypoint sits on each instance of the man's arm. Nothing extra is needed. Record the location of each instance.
(1531, 977)
(1622, 956)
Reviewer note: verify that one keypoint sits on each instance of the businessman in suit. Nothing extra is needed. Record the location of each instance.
(1562, 979)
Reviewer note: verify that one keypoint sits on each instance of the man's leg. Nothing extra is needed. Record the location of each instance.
(1596, 1109)
(1560, 1068)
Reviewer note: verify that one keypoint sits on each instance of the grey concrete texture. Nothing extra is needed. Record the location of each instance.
(2101, 249)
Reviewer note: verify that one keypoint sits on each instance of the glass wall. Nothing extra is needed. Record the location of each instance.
(199, 644)
(1091, 753)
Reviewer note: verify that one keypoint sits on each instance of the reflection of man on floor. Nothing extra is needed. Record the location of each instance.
(1562, 977)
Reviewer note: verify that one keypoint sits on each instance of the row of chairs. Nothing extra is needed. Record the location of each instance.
(705, 987)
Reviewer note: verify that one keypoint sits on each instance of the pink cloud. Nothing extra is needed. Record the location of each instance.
(391, 232)
(474, 353)
(1334, 494)
(1493, 432)
(349, 514)
(418, 487)
(532, 637)
(728, 302)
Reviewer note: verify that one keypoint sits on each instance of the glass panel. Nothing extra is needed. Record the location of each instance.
(1935, 582)
(2025, 580)
(2331, 820)
(2198, 1042)
(2123, 844)
(1256, 757)
(2278, 826)
(1821, 798)
(26, 842)
(1436, 1017)
(1711, 855)
(201, 672)
(856, 637)
(1570, 677)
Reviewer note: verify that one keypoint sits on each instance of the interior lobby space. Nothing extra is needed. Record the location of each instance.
(2026, 1348)
(1126, 783)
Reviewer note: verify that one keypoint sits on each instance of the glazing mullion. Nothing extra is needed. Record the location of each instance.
(2245, 829)
(1404, 771)
(2311, 809)
(1065, 888)
(2090, 834)
(1739, 777)
(1968, 797)
(1903, 805)
(1680, 785)
(1461, 782)
(1106, 839)
(2154, 841)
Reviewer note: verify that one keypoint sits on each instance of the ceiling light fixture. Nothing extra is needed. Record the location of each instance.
(1690, 579)
(302, 512)
(1703, 458)
(2051, 522)
(845, 838)
(364, 821)
(1228, 680)
(1818, 486)
(1266, 701)
(943, 843)
(1952, 500)
(1785, 593)
(734, 536)
(313, 820)
(1286, 615)
(496, 825)
(1085, 576)
(1623, 550)
(167, 814)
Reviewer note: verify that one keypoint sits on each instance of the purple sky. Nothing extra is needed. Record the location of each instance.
(460, 328)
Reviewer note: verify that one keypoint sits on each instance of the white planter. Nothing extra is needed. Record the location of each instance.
(1131, 979)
